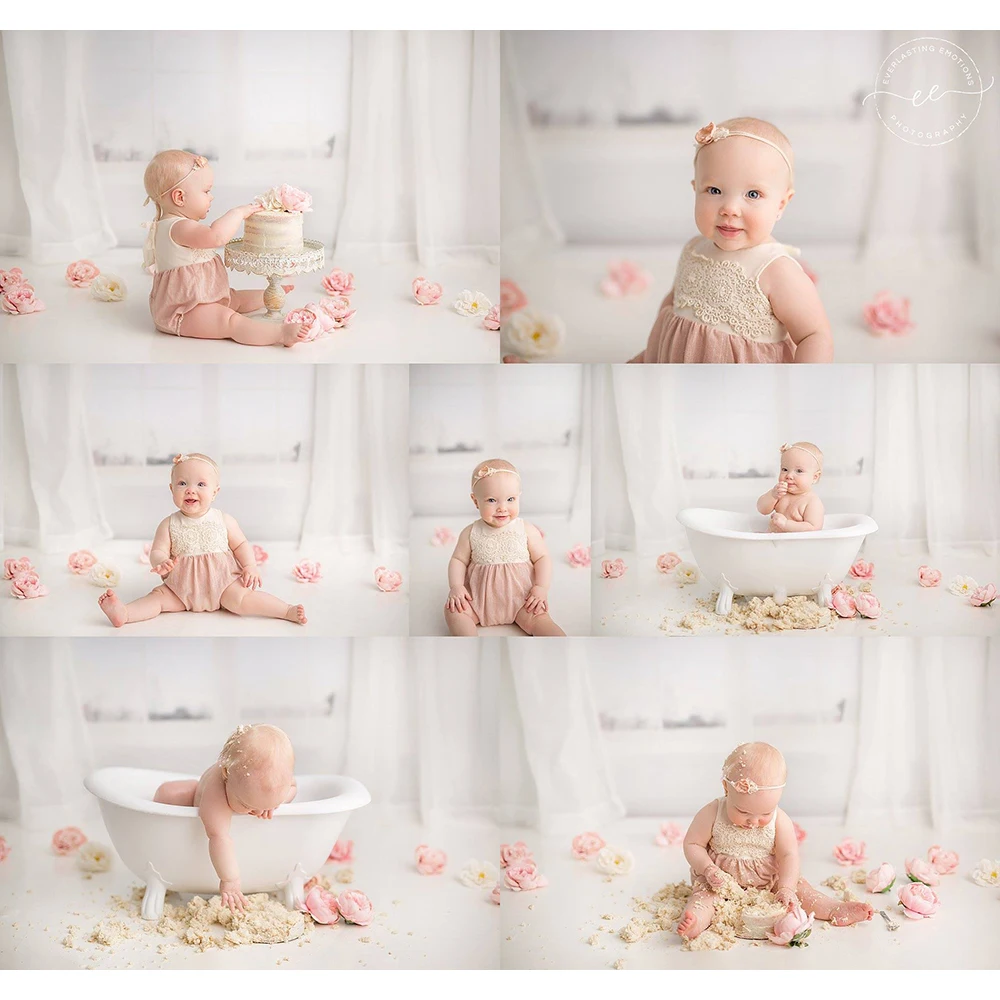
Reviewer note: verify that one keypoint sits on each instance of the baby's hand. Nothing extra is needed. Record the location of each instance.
(459, 599)
(778, 520)
(787, 898)
(537, 602)
(780, 490)
(252, 209)
(715, 877)
(250, 579)
(232, 897)
(265, 814)
(164, 568)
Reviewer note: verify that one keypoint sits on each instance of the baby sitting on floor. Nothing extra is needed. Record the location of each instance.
(252, 777)
(745, 836)
(791, 502)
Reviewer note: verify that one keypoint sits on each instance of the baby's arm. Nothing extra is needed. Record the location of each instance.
(216, 817)
(459, 598)
(797, 305)
(696, 846)
(668, 300)
(769, 500)
(541, 562)
(812, 518)
(189, 233)
(243, 551)
(159, 552)
(786, 855)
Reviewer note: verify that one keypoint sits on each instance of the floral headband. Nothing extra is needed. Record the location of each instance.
(490, 471)
(714, 133)
(180, 458)
(199, 162)
(797, 447)
(747, 787)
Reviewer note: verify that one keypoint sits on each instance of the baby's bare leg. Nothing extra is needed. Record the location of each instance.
(461, 622)
(212, 321)
(537, 624)
(177, 793)
(827, 908)
(241, 601)
(158, 600)
(697, 915)
(248, 300)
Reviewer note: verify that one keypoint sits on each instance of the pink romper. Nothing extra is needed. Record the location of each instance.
(719, 314)
(205, 564)
(183, 278)
(746, 855)
(499, 576)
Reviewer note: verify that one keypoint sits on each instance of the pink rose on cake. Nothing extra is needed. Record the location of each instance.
(285, 199)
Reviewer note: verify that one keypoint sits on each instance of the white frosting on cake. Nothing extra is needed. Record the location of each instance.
(273, 232)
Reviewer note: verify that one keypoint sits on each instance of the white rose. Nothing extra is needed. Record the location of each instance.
(478, 875)
(962, 586)
(987, 872)
(472, 304)
(108, 288)
(615, 862)
(104, 576)
(686, 573)
(532, 334)
(94, 857)
(270, 201)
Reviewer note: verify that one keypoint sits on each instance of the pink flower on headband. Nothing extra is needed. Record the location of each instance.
(745, 786)
(427, 293)
(612, 569)
(388, 580)
(886, 314)
(928, 577)
(180, 458)
(862, 570)
(306, 571)
(710, 133)
(81, 273)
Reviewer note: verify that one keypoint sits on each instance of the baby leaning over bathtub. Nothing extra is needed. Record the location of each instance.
(252, 777)
(791, 502)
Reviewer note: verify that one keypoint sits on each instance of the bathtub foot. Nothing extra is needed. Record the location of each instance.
(293, 889)
(825, 593)
(725, 602)
(156, 891)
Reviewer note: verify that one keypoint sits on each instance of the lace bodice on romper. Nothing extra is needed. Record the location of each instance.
(720, 288)
(738, 842)
(166, 254)
(198, 536)
(506, 544)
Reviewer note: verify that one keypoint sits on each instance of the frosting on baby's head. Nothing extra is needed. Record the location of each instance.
(749, 128)
(810, 449)
(259, 755)
(490, 468)
(754, 767)
(166, 171)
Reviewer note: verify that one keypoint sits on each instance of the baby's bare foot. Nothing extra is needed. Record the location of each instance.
(850, 913)
(296, 613)
(693, 921)
(116, 611)
(292, 333)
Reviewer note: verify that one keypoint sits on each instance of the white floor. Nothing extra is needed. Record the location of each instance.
(569, 596)
(955, 305)
(549, 928)
(345, 602)
(389, 326)
(646, 602)
(421, 921)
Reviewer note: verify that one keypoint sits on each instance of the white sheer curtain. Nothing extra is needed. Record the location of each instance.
(358, 487)
(422, 161)
(51, 495)
(985, 151)
(43, 130)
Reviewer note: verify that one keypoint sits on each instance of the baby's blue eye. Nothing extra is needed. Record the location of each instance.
(714, 190)
(754, 195)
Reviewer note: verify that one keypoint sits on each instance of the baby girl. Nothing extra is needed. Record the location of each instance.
(791, 502)
(739, 295)
(191, 296)
(746, 836)
(500, 571)
(204, 559)
(252, 777)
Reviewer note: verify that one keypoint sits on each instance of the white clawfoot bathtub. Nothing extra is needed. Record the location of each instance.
(739, 555)
(167, 848)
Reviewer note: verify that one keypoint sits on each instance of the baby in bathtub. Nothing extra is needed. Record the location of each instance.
(744, 835)
(791, 502)
(252, 777)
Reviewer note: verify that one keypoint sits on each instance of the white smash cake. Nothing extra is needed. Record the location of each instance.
(758, 918)
(278, 228)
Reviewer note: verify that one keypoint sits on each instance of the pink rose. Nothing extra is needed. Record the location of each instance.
(862, 570)
(427, 293)
(308, 317)
(670, 835)
(928, 577)
(880, 879)
(868, 605)
(80, 562)
(387, 580)
(942, 861)
(307, 571)
(341, 852)
(27, 586)
(5, 847)
(579, 556)
(511, 297)
(430, 860)
(12, 567)
(586, 845)
(81, 273)
(144, 555)
(885, 314)
(850, 852)
(611, 569)
(19, 300)
(918, 900)
(322, 905)
(625, 277)
(356, 907)
(442, 536)
(523, 877)
(800, 834)
(918, 870)
(513, 853)
(494, 892)
(791, 928)
(294, 200)
(336, 311)
(338, 283)
(843, 604)
(492, 319)
(667, 562)
(68, 840)
(259, 555)
(983, 597)
(8, 279)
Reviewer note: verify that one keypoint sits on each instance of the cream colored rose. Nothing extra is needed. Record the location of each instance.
(94, 857)
(472, 304)
(614, 862)
(108, 288)
(479, 875)
(104, 576)
(532, 334)
(686, 573)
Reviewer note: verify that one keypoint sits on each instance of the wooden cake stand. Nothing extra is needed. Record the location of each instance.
(275, 266)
